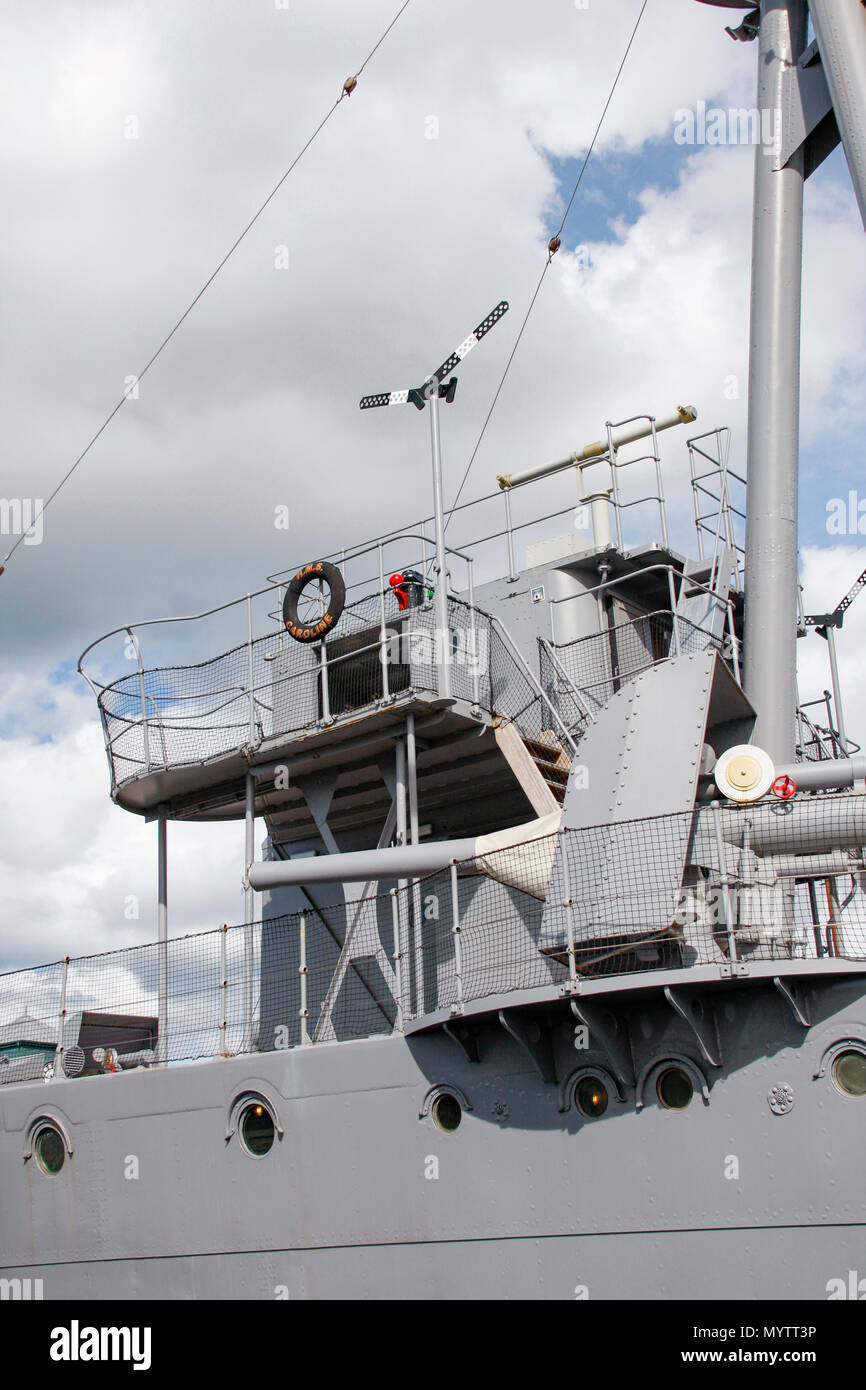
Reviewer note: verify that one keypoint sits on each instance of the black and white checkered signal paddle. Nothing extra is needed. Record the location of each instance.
(418, 394)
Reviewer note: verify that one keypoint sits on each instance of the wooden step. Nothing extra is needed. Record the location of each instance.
(530, 776)
(547, 752)
(552, 763)
(551, 773)
(558, 789)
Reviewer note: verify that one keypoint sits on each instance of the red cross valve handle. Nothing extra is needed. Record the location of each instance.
(784, 787)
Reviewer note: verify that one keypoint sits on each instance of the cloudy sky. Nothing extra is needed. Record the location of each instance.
(139, 138)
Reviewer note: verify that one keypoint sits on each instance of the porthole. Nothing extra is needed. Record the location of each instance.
(590, 1097)
(50, 1149)
(256, 1128)
(447, 1112)
(849, 1072)
(674, 1088)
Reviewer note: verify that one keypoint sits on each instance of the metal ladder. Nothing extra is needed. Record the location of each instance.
(718, 518)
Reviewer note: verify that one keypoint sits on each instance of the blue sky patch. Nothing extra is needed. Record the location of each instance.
(63, 673)
(610, 189)
(609, 194)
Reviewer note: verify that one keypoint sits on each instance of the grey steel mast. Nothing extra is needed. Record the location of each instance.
(769, 656)
(815, 96)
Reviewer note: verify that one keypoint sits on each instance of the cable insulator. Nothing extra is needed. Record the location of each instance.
(349, 86)
(553, 245)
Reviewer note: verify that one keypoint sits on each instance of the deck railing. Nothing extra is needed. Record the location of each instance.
(597, 666)
(817, 742)
(616, 905)
(271, 686)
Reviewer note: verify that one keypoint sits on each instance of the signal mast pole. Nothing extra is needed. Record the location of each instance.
(443, 654)
(434, 388)
(825, 625)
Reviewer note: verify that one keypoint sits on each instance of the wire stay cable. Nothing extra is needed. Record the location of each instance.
(552, 248)
(348, 88)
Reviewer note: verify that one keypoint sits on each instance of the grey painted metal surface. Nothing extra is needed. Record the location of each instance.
(363, 1196)
(808, 122)
(658, 1265)
(401, 861)
(834, 772)
(795, 827)
(840, 28)
(642, 758)
(754, 1190)
(774, 368)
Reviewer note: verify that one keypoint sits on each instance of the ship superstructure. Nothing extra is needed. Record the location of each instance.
(551, 976)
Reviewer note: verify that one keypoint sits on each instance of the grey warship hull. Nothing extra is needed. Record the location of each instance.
(366, 1199)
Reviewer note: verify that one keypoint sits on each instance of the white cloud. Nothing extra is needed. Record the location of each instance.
(77, 874)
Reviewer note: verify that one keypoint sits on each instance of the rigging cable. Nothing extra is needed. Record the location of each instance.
(348, 88)
(552, 248)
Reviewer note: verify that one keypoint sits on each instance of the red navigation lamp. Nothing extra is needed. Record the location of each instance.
(409, 588)
(398, 584)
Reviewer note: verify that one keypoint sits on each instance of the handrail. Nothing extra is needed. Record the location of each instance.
(207, 1001)
(366, 548)
(386, 536)
(565, 676)
(817, 733)
(197, 722)
(208, 702)
(625, 578)
(205, 704)
(521, 661)
(242, 599)
(723, 605)
(207, 661)
(276, 582)
(184, 618)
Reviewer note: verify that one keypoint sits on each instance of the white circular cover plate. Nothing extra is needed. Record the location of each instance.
(744, 773)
